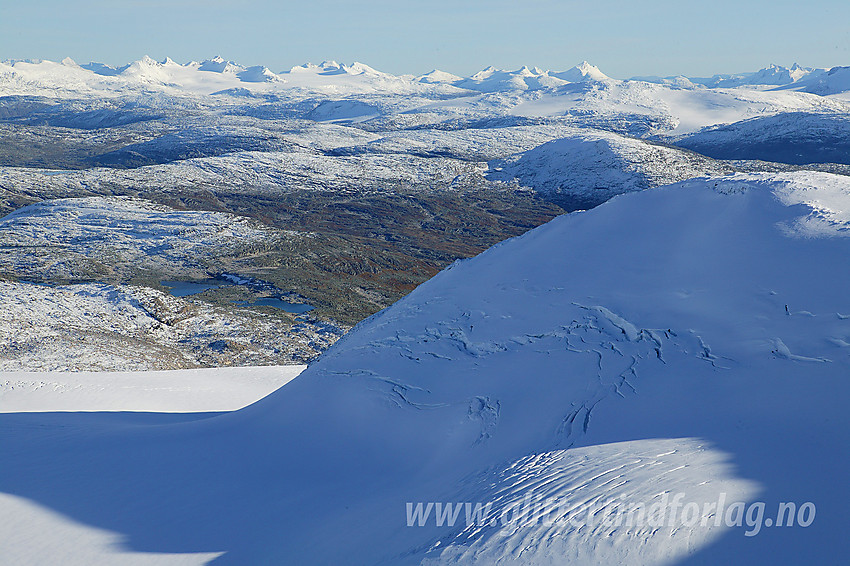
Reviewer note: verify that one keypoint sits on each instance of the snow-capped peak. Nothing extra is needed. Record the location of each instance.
(438, 76)
(823, 82)
(357, 68)
(797, 72)
(146, 66)
(485, 73)
(147, 60)
(778, 75)
(220, 65)
(258, 74)
(581, 73)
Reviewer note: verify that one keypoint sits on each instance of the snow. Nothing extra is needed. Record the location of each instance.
(659, 343)
(594, 166)
(834, 81)
(818, 136)
(674, 110)
(438, 76)
(123, 327)
(252, 171)
(770, 76)
(357, 92)
(523, 79)
(62, 540)
(581, 73)
(174, 391)
(68, 237)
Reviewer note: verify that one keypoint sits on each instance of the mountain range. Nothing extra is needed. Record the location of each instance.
(199, 76)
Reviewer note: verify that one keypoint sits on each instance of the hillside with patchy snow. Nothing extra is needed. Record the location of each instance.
(692, 339)
(97, 327)
(586, 169)
(69, 239)
(791, 137)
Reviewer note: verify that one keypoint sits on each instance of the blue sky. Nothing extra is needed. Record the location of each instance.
(659, 37)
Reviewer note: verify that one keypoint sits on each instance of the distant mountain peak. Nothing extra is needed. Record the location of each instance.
(438, 76)
(582, 72)
(147, 60)
(258, 74)
(219, 64)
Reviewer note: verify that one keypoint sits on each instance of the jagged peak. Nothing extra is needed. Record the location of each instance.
(147, 60)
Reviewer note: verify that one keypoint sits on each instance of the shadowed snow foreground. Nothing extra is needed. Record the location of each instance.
(693, 339)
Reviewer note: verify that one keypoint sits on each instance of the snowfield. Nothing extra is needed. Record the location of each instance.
(691, 339)
(201, 390)
(185, 391)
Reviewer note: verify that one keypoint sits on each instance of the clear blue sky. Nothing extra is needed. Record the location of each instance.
(638, 37)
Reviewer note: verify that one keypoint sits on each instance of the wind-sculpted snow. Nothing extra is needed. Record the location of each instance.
(690, 313)
(565, 484)
(681, 344)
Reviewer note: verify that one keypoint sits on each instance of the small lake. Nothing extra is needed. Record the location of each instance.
(295, 308)
(186, 288)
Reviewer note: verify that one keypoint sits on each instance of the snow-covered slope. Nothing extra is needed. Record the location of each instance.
(642, 108)
(581, 73)
(772, 75)
(834, 81)
(174, 391)
(779, 75)
(588, 168)
(692, 339)
(492, 79)
(267, 173)
(790, 137)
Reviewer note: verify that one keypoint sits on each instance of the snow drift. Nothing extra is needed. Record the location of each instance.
(690, 339)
